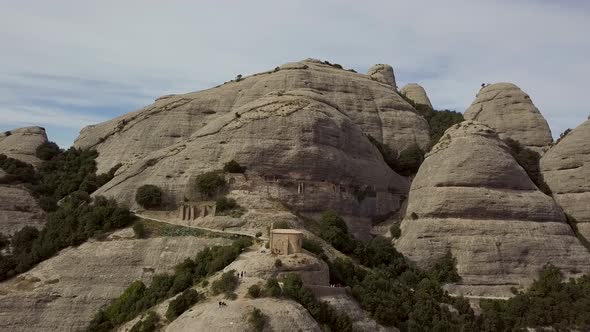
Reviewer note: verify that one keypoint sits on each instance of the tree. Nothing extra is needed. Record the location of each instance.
(256, 319)
(47, 151)
(254, 291)
(210, 183)
(410, 160)
(272, 287)
(232, 166)
(181, 303)
(149, 196)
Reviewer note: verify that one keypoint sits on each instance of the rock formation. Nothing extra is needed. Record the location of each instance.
(369, 104)
(384, 74)
(22, 143)
(18, 209)
(472, 198)
(307, 152)
(566, 169)
(416, 93)
(66, 291)
(511, 113)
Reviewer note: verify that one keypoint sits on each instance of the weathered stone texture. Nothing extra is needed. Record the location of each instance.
(416, 93)
(472, 198)
(566, 169)
(511, 113)
(22, 143)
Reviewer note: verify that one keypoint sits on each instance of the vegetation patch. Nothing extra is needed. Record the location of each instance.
(228, 207)
(149, 196)
(226, 284)
(138, 298)
(210, 183)
(148, 323)
(256, 320)
(529, 161)
(232, 166)
(181, 303)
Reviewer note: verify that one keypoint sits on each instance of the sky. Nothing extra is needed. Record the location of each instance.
(67, 64)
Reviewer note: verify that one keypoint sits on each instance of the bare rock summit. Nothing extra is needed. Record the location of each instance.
(416, 93)
(370, 104)
(383, 73)
(471, 197)
(22, 143)
(566, 170)
(511, 113)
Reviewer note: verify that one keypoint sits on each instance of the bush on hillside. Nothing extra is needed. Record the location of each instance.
(395, 231)
(409, 160)
(149, 323)
(254, 291)
(181, 303)
(233, 167)
(16, 171)
(529, 161)
(272, 287)
(226, 284)
(224, 204)
(210, 183)
(47, 151)
(149, 196)
(139, 230)
(257, 320)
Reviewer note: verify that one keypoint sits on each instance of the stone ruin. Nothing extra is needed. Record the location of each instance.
(193, 210)
(285, 241)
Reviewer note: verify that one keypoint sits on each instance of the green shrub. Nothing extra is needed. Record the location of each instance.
(389, 155)
(254, 291)
(409, 160)
(257, 320)
(233, 167)
(278, 263)
(226, 284)
(47, 150)
(395, 231)
(312, 246)
(272, 288)
(139, 230)
(445, 269)
(281, 225)
(258, 234)
(224, 204)
(529, 161)
(149, 196)
(181, 303)
(4, 241)
(333, 229)
(210, 183)
(16, 171)
(148, 324)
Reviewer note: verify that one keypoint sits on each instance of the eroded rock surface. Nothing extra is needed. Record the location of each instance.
(18, 209)
(383, 73)
(64, 292)
(369, 104)
(21, 143)
(303, 151)
(472, 198)
(416, 93)
(511, 113)
(566, 169)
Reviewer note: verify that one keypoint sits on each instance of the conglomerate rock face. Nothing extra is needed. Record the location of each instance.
(64, 293)
(566, 169)
(383, 73)
(511, 113)
(472, 198)
(22, 143)
(18, 208)
(369, 102)
(416, 93)
(311, 155)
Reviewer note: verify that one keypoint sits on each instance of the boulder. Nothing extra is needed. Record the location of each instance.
(416, 93)
(471, 197)
(383, 73)
(22, 143)
(511, 113)
(371, 105)
(64, 292)
(308, 153)
(566, 170)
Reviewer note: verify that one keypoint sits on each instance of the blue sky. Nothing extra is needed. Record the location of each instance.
(67, 64)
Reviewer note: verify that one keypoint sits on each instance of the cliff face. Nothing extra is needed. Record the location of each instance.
(416, 93)
(18, 208)
(21, 143)
(472, 198)
(370, 102)
(566, 169)
(66, 291)
(511, 113)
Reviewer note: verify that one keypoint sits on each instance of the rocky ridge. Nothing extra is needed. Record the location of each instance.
(21, 143)
(472, 198)
(511, 113)
(416, 93)
(566, 170)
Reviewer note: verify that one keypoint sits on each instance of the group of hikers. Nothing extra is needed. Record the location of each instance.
(222, 304)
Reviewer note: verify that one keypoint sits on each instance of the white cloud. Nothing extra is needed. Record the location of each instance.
(118, 54)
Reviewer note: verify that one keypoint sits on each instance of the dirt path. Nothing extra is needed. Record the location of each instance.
(202, 228)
